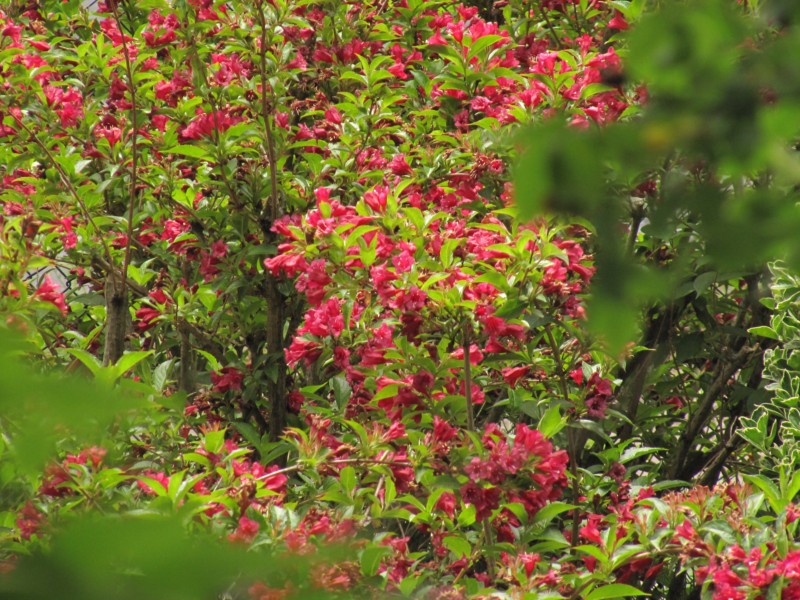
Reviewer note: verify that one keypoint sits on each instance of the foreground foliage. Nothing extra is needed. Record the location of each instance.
(265, 260)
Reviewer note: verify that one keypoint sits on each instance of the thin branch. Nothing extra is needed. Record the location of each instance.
(272, 206)
(698, 419)
(72, 191)
(134, 149)
(487, 526)
(573, 441)
(468, 379)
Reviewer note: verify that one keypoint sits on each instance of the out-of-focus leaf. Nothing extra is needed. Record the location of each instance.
(134, 558)
(46, 407)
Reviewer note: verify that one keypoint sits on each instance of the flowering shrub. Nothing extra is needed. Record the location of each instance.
(282, 240)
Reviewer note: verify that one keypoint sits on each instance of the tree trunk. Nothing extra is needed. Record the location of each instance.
(117, 316)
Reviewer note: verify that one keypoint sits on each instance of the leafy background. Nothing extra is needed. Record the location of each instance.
(399, 298)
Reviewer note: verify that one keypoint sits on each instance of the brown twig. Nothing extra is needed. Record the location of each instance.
(487, 526)
(725, 370)
(573, 440)
(271, 207)
(117, 299)
(134, 147)
(70, 188)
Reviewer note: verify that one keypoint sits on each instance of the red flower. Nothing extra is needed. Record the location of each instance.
(447, 504)
(228, 378)
(512, 375)
(288, 264)
(399, 166)
(247, 530)
(48, 292)
(29, 521)
(205, 124)
(304, 350)
(475, 355)
(591, 531)
(618, 22)
(598, 397)
(485, 500)
(147, 317)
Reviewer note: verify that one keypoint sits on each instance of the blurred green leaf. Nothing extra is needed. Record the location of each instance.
(46, 408)
(99, 558)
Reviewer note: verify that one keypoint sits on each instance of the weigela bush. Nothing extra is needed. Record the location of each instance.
(303, 214)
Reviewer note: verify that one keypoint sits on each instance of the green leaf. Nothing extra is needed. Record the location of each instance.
(47, 408)
(90, 361)
(371, 558)
(160, 374)
(552, 422)
(214, 440)
(550, 511)
(388, 391)
(409, 584)
(347, 477)
(446, 252)
(213, 363)
(190, 151)
(633, 453)
(764, 331)
(703, 281)
(129, 360)
(770, 490)
(793, 488)
(467, 516)
(481, 44)
(157, 487)
(390, 491)
(593, 551)
(457, 545)
(559, 170)
(144, 557)
(341, 390)
(615, 590)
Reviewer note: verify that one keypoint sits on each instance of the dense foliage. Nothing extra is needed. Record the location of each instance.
(306, 292)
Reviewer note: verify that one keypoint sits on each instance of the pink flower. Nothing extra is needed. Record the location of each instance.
(304, 350)
(475, 355)
(512, 375)
(399, 166)
(598, 397)
(147, 317)
(313, 282)
(245, 532)
(591, 531)
(219, 249)
(288, 264)
(48, 292)
(376, 198)
(29, 521)
(675, 401)
(227, 378)
(618, 22)
(447, 504)
(442, 430)
(485, 500)
(403, 262)
(205, 124)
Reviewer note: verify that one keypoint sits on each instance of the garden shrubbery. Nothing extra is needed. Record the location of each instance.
(399, 298)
